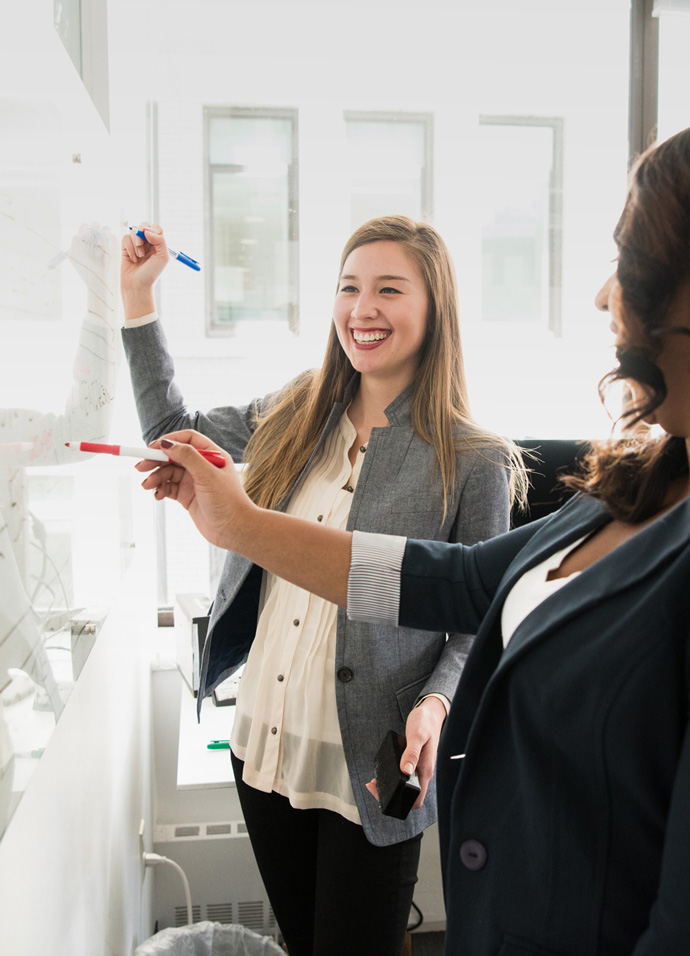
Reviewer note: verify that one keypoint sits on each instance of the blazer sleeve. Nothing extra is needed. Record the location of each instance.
(450, 587)
(483, 512)
(669, 923)
(160, 405)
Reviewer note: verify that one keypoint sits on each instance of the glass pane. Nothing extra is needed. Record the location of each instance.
(674, 72)
(251, 141)
(386, 160)
(515, 204)
(250, 200)
(67, 21)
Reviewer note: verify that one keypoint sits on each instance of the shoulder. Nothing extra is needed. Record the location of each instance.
(482, 452)
(292, 395)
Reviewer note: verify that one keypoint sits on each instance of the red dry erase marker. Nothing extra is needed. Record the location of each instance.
(148, 454)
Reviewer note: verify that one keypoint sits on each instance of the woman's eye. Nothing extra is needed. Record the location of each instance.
(389, 289)
(348, 288)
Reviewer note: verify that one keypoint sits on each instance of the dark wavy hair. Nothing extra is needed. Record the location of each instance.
(633, 474)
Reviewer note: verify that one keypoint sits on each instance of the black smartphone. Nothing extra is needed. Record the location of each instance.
(397, 791)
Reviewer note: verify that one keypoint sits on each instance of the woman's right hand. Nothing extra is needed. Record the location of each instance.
(142, 263)
(302, 552)
(214, 497)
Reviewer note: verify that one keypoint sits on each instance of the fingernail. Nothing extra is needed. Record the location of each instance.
(166, 443)
(408, 768)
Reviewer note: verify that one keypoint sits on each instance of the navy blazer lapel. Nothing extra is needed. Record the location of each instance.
(622, 568)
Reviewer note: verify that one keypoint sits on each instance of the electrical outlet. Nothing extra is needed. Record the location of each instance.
(142, 847)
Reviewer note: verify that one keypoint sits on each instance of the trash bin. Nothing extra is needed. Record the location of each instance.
(209, 939)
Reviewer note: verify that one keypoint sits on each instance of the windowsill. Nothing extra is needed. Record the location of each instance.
(198, 767)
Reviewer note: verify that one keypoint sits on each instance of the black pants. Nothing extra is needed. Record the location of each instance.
(333, 893)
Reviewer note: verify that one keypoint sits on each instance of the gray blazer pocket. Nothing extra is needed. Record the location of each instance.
(407, 695)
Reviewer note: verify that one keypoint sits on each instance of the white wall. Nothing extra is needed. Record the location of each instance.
(70, 867)
(454, 60)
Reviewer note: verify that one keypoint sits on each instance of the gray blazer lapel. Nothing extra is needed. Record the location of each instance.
(331, 422)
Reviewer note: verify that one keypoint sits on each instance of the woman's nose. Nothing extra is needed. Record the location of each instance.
(601, 299)
(364, 307)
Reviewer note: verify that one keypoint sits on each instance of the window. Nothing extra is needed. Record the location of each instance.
(674, 66)
(389, 162)
(251, 198)
(521, 209)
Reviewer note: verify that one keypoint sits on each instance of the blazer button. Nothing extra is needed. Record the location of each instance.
(345, 675)
(473, 854)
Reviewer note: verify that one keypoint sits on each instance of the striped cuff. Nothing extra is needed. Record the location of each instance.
(373, 587)
(141, 320)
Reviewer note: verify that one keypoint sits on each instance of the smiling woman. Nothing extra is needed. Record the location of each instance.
(380, 315)
(379, 439)
(564, 766)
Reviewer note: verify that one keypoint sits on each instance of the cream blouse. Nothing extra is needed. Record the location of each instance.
(286, 724)
(533, 588)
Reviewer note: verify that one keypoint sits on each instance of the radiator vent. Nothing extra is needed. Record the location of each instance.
(166, 833)
(187, 831)
(256, 915)
(181, 914)
(219, 912)
(219, 829)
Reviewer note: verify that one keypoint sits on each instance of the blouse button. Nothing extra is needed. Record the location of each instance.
(281, 677)
(362, 448)
(274, 730)
(319, 518)
(296, 622)
(350, 489)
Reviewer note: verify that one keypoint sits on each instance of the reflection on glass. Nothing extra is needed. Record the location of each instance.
(388, 161)
(67, 20)
(253, 217)
(56, 537)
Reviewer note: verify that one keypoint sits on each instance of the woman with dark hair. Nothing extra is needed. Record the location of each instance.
(381, 439)
(564, 765)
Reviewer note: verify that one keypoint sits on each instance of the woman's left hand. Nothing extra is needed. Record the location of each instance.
(423, 731)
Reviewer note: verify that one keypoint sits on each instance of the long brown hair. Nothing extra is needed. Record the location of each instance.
(633, 474)
(287, 433)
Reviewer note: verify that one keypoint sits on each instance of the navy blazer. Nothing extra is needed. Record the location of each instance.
(565, 828)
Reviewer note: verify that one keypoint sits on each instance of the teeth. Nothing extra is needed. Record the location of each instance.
(363, 337)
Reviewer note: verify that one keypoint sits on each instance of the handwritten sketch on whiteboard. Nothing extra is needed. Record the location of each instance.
(31, 437)
(29, 238)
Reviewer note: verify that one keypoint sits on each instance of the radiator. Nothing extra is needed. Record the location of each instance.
(223, 877)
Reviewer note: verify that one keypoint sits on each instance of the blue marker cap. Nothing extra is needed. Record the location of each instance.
(188, 261)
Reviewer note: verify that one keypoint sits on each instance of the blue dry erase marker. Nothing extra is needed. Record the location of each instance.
(180, 256)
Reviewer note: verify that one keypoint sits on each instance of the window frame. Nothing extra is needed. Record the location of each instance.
(215, 329)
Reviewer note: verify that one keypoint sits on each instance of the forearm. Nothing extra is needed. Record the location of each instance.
(306, 554)
(137, 302)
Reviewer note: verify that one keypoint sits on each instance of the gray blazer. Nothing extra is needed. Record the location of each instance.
(381, 670)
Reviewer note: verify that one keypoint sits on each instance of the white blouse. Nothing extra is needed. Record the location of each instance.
(286, 726)
(532, 588)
